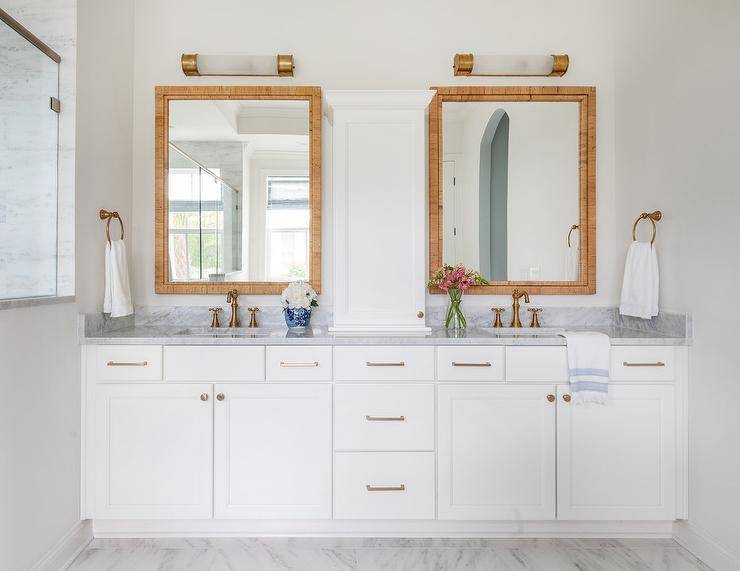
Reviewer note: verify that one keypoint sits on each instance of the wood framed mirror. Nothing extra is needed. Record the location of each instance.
(237, 189)
(512, 186)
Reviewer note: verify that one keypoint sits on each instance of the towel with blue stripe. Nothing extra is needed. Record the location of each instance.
(589, 355)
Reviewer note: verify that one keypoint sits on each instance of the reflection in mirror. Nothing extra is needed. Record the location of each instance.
(238, 190)
(510, 188)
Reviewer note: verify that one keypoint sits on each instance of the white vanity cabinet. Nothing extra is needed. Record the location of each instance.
(153, 451)
(379, 196)
(618, 461)
(365, 438)
(496, 452)
(272, 451)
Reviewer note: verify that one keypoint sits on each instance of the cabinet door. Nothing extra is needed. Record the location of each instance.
(617, 461)
(272, 451)
(153, 451)
(496, 452)
(379, 209)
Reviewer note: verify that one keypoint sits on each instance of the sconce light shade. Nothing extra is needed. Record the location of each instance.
(510, 65)
(200, 64)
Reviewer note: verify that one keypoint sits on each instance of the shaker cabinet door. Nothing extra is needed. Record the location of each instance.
(496, 452)
(153, 451)
(272, 451)
(617, 461)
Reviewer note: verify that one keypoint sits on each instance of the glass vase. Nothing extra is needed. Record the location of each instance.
(455, 318)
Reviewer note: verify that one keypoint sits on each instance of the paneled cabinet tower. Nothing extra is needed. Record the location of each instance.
(378, 187)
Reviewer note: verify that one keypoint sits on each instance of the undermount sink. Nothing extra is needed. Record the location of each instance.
(224, 332)
(523, 331)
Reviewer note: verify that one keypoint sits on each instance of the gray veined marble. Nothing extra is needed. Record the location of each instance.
(189, 324)
(378, 554)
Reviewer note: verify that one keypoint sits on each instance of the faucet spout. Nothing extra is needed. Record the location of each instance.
(231, 298)
(516, 295)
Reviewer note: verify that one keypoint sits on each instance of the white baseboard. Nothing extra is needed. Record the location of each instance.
(379, 528)
(67, 548)
(706, 548)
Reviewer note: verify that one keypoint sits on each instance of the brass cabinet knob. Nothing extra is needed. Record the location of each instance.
(204, 397)
(566, 398)
(419, 314)
(551, 398)
(220, 396)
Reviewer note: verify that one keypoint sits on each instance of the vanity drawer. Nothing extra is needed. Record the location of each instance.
(381, 363)
(128, 363)
(642, 363)
(536, 364)
(470, 363)
(298, 363)
(384, 417)
(384, 485)
(218, 364)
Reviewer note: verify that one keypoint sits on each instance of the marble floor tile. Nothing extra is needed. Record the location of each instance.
(385, 554)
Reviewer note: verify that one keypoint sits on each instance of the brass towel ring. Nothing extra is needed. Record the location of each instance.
(653, 217)
(105, 214)
(574, 227)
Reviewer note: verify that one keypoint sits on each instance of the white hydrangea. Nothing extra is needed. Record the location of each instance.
(299, 294)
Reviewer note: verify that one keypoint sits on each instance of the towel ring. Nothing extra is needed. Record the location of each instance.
(653, 217)
(574, 227)
(105, 214)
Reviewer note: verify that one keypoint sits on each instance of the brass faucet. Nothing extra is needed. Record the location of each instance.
(231, 298)
(516, 322)
(253, 318)
(215, 311)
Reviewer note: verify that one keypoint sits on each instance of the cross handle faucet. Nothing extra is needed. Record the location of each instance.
(515, 321)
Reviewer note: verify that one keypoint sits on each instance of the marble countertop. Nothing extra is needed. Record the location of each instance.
(174, 335)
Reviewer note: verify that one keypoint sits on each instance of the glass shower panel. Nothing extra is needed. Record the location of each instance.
(28, 168)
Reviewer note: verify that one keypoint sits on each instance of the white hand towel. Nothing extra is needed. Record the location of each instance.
(641, 282)
(573, 257)
(117, 300)
(589, 355)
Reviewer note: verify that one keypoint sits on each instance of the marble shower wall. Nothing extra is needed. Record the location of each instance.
(37, 153)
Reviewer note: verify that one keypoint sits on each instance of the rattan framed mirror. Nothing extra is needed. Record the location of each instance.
(512, 186)
(237, 188)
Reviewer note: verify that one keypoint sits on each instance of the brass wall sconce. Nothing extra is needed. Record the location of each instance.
(510, 65)
(236, 65)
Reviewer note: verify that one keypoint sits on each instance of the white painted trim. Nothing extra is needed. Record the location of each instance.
(682, 432)
(380, 528)
(705, 547)
(379, 99)
(61, 555)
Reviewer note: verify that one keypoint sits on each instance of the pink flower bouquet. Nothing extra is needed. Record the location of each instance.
(455, 280)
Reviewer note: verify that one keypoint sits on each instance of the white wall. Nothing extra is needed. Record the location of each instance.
(677, 150)
(104, 138)
(354, 45)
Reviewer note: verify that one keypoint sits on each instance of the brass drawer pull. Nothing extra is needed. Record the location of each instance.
(204, 397)
(127, 363)
(456, 364)
(299, 365)
(373, 364)
(656, 364)
(567, 398)
(385, 418)
(399, 488)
